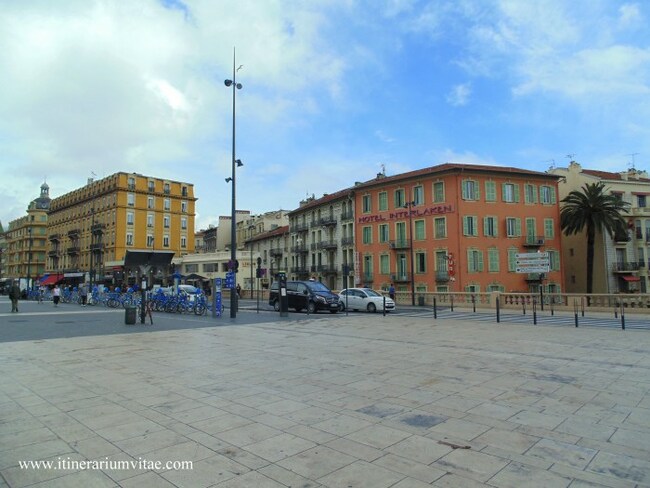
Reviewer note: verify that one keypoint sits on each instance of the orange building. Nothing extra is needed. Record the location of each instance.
(458, 227)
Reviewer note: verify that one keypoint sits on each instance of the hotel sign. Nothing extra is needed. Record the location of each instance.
(402, 214)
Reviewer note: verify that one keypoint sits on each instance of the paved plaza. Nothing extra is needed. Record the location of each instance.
(357, 401)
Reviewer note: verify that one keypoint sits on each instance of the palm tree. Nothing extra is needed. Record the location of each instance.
(592, 210)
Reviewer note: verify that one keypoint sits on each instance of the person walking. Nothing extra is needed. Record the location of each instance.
(41, 293)
(83, 293)
(56, 295)
(238, 289)
(391, 292)
(14, 295)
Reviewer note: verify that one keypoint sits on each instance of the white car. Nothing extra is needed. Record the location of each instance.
(189, 290)
(365, 299)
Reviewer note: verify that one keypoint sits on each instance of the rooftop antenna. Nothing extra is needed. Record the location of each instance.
(571, 157)
(633, 167)
(383, 169)
(552, 161)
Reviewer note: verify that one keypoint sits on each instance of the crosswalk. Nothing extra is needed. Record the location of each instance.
(543, 319)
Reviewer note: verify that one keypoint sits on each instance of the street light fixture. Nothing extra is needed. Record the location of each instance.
(408, 206)
(29, 259)
(235, 163)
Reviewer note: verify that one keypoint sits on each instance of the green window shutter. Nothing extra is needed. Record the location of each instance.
(493, 260)
(485, 225)
(527, 191)
(478, 190)
(512, 259)
(465, 226)
(517, 193)
(490, 191)
(464, 189)
(503, 192)
(518, 227)
(479, 255)
(534, 193)
(553, 196)
(470, 261)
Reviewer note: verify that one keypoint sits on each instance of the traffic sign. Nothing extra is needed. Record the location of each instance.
(532, 256)
(532, 269)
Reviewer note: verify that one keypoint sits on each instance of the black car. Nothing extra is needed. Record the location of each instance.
(310, 295)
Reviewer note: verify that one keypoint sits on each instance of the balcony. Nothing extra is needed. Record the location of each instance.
(313, 246)
(131, 186)
(345, 216)
(97, 228)
(314, 223)
(347, 268)
(621, 236)
(625, 267)
(301, 249)
(347, 241)
(400, 244)
(328, 245)
(328, 268)
(300, 270)
(53, 254)
(328, 221)
(367, 277)
(400, 278)
(533, 241)
(301, 227)
(73, 250)
(276, 252)
(442, 276)
(73, 233)
(97, 246)
(55, 238)
(534, 277)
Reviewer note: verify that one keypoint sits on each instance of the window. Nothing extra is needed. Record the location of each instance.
(513, 227)
(439, 191)
(149, 202)
(420, 233)
(184, 191)
(183, 241)
(418, 195)
(383, 201)
(129, 239)
(129, 218)
(400, 232)
(184, 206)
(490, 191)
(384, 264)
(512, 259)
(165, 240)
(440, 227)
(149, 240)
(472, 289)
(474, 261)
(151, 186)
(166, 188)
(383, 233)
(470, 226)
(549, 228)
(366, 204)
(641, 201)
(547, 195)
(166, 220)
(420, 262)
(554, 260)
(183, 223)
(530, 193)
(130, 199)
(367, 235)
(490, 227)
(510, 192)
(150, 220)
(167, 204)
(470, 190)
(400, 201)
(531, 228)
(131, 183)
(493, 260)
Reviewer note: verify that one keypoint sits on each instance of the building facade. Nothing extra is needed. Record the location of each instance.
(620, 261)
(26, 240)
(272, 247)
(457, 228)
(91, 228)
(322, 240)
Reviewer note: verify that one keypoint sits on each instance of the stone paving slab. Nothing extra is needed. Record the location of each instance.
(355, 401)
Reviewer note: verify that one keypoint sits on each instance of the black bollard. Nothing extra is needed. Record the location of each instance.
(498, 312)
(622, 317)
(534, 313)
(384, 310)
(435, 312)
(575, 311)
(474, 303)
(452, 302)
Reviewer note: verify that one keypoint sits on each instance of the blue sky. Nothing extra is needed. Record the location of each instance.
(333, 91)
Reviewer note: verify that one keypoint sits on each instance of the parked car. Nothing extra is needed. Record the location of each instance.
(365, 299)
(310, 295)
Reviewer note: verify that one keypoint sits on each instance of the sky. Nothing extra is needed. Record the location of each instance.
(334, 91)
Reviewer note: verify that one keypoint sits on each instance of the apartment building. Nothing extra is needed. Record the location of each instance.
(620, 261)
(91, 228)
(272, 247)
(25, 247)
(322, 239)
(457, 227)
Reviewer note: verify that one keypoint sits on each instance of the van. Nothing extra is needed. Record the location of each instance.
(305, 295)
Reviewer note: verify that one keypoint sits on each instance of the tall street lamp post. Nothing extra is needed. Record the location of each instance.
(29, 259)
(409, 205)
(235, 163)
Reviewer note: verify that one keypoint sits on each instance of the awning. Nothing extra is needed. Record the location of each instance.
(51, 279)
(195, 277)
(631, 278)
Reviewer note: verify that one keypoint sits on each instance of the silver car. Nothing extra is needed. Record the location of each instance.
(364, 299)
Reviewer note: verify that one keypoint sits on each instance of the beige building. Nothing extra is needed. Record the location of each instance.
(272, 247)
(620, 263)
(25, 245)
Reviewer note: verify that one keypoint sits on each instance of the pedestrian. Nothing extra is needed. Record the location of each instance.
(391, 292)
(41, 293)
(14, 295)
(238, 288)
(83, 293)
(56, 295)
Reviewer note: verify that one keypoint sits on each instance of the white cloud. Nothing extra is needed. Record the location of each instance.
(459, 95)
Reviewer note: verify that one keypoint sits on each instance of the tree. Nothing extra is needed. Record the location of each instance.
(592, 210)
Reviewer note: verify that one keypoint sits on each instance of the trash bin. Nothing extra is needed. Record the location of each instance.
(421, 301)
(129, 314)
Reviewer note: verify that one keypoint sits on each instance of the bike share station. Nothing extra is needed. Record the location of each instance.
(144, 262)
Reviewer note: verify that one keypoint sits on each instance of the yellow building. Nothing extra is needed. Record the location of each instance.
(26, 240)
(91, 228)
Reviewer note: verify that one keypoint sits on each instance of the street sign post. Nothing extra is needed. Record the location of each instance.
(532, 262)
